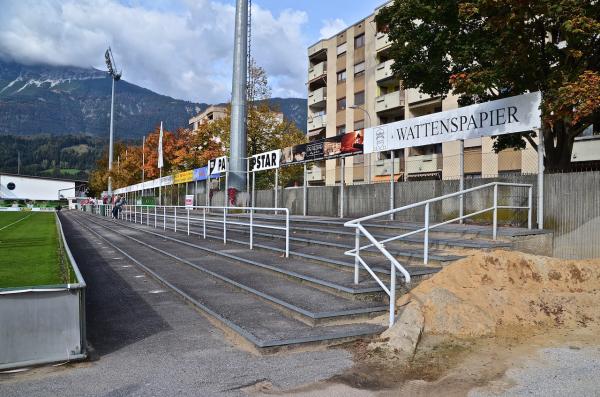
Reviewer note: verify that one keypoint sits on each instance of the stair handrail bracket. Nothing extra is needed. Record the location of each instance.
(360, 228)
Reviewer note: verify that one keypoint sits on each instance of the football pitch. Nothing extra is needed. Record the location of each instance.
(30, 253)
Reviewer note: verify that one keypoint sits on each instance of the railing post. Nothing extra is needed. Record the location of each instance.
(461, 181)
(251, 226)
(495, 224)
(224, 225)
(188, 221)
(287, 233)
(356, 253)
(175, 218)
(530, 207)
(392, 294)
(426, 236)
(204, 221)
(155, 216)
(135, 213)
(148, 216)
(165, 218)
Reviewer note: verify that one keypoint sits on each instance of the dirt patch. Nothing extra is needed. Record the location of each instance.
(479, 294)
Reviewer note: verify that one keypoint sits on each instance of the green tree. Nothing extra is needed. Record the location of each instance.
(487, 49)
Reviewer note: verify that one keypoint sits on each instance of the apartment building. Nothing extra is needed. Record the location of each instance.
(351, 86)
(213, 112)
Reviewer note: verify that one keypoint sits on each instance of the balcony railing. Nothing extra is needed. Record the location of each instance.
(317, 122)
(413, 95)
(389, 101)
(424, 163)
(316, 71)
(384, 71)
(318, 47)
(382, 41)
(317, 97)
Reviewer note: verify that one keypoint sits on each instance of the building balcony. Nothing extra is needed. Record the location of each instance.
(425, 163)
(317, 71)
(317, 48)
(382, 42)
(315, 173)
(413, 96)
(384, 71)
(383, 167)
(317, 122)
(390, 101)
(318, 97)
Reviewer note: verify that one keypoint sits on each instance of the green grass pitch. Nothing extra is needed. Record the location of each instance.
(30, 253)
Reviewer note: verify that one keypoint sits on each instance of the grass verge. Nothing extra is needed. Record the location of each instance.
(30, 251)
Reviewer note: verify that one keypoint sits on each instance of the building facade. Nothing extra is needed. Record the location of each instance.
(351, 86)
(33, 188)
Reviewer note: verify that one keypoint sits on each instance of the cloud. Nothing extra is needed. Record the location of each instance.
(332, 27)
(183, 48)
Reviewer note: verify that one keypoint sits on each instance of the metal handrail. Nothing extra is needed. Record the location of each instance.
(135, 213)
(394, 264)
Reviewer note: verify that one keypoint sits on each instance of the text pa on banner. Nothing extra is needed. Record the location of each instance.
(217, 165)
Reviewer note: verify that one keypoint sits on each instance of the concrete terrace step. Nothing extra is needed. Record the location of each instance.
(329, 252)
(303, 301)
(261, 323)
(417, 239)
(325, 267)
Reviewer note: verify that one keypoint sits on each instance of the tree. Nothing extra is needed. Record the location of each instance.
(486, 49)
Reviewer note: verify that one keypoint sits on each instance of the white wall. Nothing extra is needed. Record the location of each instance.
(34, 188)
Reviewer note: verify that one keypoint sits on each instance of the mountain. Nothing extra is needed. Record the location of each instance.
(55, 100)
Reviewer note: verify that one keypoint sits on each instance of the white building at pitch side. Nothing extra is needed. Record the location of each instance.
(35, 188)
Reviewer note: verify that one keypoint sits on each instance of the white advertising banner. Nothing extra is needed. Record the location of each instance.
(503, 116)
(265, 161)
(218, 165)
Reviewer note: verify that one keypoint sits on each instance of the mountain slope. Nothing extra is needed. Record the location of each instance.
(61, 100)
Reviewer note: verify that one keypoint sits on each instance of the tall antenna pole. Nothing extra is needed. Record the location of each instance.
(238, 140)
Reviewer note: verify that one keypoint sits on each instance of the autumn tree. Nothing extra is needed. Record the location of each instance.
(485, 49)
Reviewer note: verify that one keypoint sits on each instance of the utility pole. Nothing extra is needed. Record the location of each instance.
(238, 140)
(115, 76)
(143, 174)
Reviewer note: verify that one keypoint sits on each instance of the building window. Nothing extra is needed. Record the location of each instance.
(341, 104)
(359, 69)
(359, 125)
(341, 49)
(341, 129)
(341, 76)
(359, 98)
(359, 41)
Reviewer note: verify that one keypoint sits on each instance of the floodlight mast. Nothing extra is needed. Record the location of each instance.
(115, 76)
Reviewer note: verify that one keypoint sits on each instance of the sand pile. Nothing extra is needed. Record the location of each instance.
(479, 294)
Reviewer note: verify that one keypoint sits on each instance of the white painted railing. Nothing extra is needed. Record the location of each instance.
(182, 215)
(359, 226)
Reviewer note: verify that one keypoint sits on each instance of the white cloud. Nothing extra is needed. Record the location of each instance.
(331, 27)
(184, 53)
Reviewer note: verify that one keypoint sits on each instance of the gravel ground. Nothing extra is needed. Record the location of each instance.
(565, 371)
(148, 342)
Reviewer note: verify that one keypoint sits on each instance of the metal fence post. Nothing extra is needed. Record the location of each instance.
(204, 221)
(392, 294)
(287, 233)
(252, 221)
(165, 217)
(540, 180)
(188, 221)
(155, 216)
(276, 188)
(529, 206)
(392, 192)
(495, 225)
(356, 254)
(461, 181)
(175, 218)
(342, 180)
(426, 236)
(304, 192)
(148, 216)
(224, 225)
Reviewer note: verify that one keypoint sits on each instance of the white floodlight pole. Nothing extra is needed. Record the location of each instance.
(110, 142)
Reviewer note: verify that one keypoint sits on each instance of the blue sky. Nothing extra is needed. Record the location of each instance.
(180, 48)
